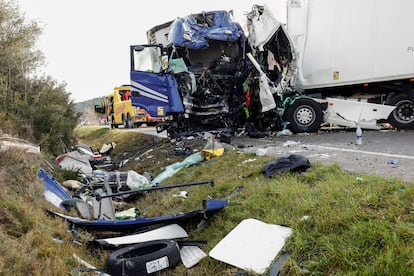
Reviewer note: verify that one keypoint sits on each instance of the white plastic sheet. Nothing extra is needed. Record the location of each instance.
(252, 245)
(172, 231)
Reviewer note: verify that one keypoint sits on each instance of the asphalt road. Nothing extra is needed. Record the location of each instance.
(386, 153)
(149, 131)
(389, 154)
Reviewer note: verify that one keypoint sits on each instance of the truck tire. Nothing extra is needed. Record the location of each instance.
(129, 121)
(113, 125)
(403, 115)
(143, 258)
(304, 115)
(125, 122)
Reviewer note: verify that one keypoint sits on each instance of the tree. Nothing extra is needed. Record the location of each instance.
(18, 55)
(38, 106)
(55, 121)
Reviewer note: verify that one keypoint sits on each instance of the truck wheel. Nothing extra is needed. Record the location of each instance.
(304, 115)
(125, 122)
(403, 114)
(113, 125)
(129, 121)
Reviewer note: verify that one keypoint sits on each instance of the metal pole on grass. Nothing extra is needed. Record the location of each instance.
(157, 188)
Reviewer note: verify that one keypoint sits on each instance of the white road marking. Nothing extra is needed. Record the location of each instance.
(361, 151)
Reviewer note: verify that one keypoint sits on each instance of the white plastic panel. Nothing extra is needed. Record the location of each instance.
(251, 245)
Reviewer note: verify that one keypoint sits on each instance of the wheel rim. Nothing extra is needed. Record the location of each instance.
(404, 112)
(305, 115)
(130, 121)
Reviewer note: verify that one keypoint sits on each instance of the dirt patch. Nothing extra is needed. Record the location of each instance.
(154, 154)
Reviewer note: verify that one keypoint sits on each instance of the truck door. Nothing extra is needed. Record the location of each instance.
(152, 87)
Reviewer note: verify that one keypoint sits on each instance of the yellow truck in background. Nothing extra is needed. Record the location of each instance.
(119, 110)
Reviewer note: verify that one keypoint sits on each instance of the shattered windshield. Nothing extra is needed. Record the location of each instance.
(147, 60)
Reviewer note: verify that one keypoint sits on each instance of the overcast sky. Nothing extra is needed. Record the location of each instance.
(86, 42)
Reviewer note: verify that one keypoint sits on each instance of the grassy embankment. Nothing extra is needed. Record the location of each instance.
(30, 242)
(353, 227)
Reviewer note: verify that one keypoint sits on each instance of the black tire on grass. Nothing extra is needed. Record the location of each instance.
(143, 258)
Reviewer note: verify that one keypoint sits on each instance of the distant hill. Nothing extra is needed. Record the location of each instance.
(87, 108)
(81, 106)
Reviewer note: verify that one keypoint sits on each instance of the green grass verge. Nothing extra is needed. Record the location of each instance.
(353, 227)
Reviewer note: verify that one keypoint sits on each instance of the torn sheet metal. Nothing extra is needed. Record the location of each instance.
(194, 31)
(352, 113)
(262, 25)
(173, 231)
(210, 207)
(273, 53)
(266, 92)
(84, 149)
(120, 181)
(54, 192)
(252, 245)
(75, 160)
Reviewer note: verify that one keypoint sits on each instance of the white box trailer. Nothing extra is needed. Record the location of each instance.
(345, 42)
(356, 48)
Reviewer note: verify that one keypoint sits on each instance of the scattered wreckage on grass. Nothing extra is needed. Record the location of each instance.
(138, 241)
(210, 206)
(84, 159)
(148, 244)
(145, 252)
(152, 246)
(97, 210)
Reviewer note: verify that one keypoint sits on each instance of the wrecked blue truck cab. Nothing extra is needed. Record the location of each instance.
(195, 71)
(196, 76)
